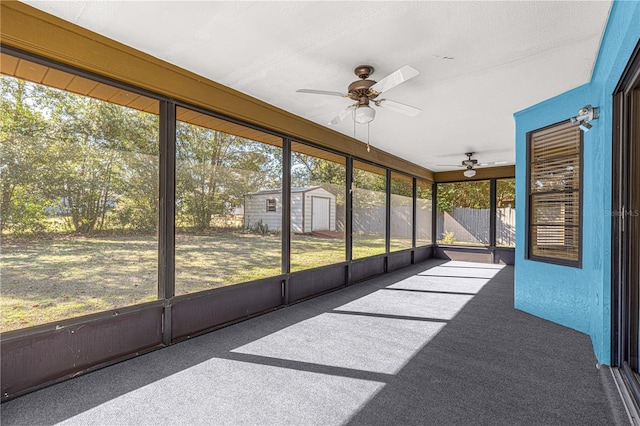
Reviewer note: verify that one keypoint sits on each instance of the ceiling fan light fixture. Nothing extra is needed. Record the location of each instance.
(364, 114)
(364, 91)
(469, 173)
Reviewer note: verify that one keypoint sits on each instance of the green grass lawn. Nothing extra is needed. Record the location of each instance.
(49, 280)
(52, 279)
(209, 261)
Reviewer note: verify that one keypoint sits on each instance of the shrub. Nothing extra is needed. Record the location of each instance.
(448, 238)
(259, 228)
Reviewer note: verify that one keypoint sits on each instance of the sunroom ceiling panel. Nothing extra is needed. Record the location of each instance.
(479, 61)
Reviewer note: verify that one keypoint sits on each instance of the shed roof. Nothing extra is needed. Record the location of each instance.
(279, 191)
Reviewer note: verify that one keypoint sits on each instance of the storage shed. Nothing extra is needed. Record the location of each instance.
(312, 209)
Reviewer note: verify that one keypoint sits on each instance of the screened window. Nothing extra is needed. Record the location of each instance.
(318, 213)
(401, 215)
(554, 194)
(369, 210)
(506, 212)
(79, 206)
(464, 210)
(424, 212)
(225, 176)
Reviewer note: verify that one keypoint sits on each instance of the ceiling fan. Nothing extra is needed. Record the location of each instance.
(470, 163)
(364, 91)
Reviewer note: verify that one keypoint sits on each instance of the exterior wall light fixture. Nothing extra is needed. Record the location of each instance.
(585, 115)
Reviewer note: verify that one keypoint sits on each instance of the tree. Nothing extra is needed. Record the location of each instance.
(93, 159)
(308, 170)
(506, 193)
(401, 191)
(214, 170)
(370, 188)
(74, 156)
(22, 125)
(471, 194)
(137, 203)
(475, 194)
(424, 193)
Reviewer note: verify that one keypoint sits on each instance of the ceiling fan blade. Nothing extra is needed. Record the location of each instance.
(449, 165)
(320, 92)
(341, 115)
(398, 107)
(395, 78)
(493, 163)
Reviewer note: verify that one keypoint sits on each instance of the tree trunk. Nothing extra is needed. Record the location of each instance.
(5, 206)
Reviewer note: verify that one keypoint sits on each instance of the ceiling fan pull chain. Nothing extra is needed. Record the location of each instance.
(368, 147)
(354, 123)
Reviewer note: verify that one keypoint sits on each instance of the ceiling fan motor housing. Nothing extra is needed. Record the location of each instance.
(469, 162)
(359, 90)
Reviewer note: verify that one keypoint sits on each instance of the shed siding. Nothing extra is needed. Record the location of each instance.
(297, 213)
(255, 210)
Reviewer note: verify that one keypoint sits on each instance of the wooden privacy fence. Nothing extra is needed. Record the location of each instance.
(506, 227)
(370, 220)
(468, 225)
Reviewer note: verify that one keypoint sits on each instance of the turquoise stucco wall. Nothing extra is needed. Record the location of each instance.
(580, 298)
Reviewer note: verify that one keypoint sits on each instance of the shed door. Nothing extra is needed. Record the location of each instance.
(320, 213)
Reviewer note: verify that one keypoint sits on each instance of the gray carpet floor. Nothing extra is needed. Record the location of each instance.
(438, 343)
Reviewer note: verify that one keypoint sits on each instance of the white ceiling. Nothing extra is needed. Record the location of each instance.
(479, 61)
